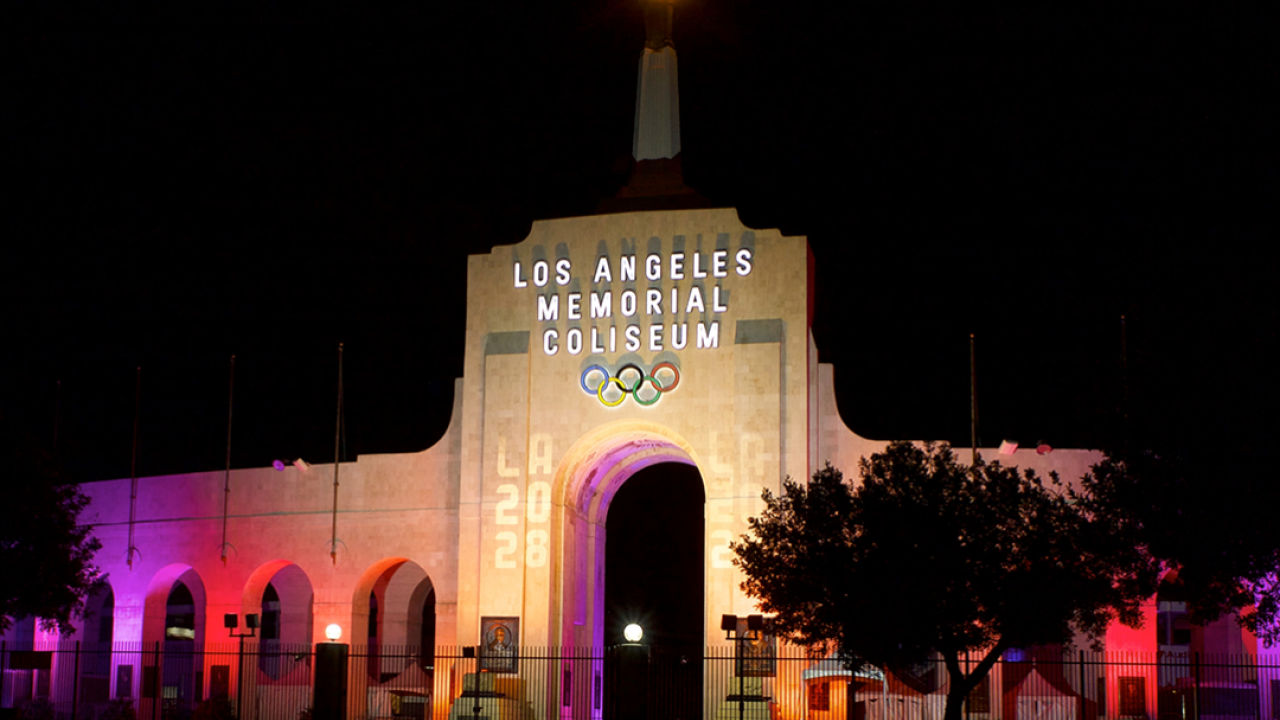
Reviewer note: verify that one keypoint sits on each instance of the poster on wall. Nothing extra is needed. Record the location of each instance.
(760, 655)
(499, 638)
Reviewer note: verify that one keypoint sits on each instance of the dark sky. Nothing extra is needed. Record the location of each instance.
(192, 180)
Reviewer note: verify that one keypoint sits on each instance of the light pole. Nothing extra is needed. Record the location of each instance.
(329, 696)
(755, 626)
(232, 621)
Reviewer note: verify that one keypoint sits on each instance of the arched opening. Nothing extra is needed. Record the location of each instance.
(587, 481)
(394, 614)
(183, 674)
(654, 573)
(282, 596)
(96, 636)
(590, 485)
(654, 577)
(173, 619)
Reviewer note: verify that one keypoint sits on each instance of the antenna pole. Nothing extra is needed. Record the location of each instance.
(133, 466)
(226, 478)
(337, 446)
(973, 405)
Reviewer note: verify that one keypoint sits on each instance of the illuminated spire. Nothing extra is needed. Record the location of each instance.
(657, 127)
(657, 180)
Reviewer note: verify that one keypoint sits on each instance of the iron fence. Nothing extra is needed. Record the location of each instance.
(184, 680)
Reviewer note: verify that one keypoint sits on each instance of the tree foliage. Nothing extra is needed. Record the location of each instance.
(1211, 518)
(46, 559)
(927, 555)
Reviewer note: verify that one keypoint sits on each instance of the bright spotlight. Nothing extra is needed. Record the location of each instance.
(633, 633)
(333, 632)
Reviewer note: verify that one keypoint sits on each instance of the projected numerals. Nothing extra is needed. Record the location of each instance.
(537, 512)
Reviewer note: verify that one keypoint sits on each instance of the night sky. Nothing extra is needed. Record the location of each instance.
(186, 181)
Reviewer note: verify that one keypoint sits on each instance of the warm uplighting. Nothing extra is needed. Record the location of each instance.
(633, 633)
(333, 632)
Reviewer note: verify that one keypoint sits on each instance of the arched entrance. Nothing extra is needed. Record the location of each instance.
(280, 593)
(655, 577)
(587, 482)
(651, 577)
(97, 634)
(174, 619)
(393, 613)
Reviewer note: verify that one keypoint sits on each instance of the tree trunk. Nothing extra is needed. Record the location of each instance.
(955, 702)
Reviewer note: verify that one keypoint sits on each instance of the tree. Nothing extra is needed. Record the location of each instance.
(46, 559)
(930, 556)
(1210, 516)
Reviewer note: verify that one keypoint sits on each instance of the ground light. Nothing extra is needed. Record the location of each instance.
(329, 695)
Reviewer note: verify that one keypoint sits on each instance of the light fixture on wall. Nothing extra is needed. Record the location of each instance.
(300, 464)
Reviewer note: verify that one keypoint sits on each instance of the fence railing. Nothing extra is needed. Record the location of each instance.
(183, 680)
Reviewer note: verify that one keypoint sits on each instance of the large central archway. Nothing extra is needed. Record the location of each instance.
(651, 576)
(587, 481)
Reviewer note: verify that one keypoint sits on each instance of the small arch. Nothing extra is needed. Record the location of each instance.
(156, 608)
(393, 613)
(281, 594)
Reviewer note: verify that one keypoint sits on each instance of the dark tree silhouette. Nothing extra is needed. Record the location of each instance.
(928, 556)
(1209, 515)
(46, 559)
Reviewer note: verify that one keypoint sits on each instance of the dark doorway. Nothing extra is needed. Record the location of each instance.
(653, 557)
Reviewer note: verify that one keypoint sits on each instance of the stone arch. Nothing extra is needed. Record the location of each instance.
(401, 589)
(97, 631)
(98, 624)
(287, 622)
(586, 481)
(296, 594)
(597, 465)
(157, 600)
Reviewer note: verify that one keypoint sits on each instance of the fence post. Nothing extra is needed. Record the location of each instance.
(1080, 658)
(156, 682)
(1196, 666)
(75, 684)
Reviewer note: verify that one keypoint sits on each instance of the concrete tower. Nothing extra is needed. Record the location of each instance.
(657, 179)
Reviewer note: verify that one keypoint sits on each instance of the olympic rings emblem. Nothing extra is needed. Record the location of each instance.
(599, 388)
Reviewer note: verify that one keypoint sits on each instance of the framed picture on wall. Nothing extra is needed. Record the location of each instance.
(499, 638)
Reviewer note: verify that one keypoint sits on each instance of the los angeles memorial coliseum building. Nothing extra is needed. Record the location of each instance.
(596, 347)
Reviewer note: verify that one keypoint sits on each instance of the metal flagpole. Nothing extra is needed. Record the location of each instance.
(133, 467)
(973, 406)
(337, 445)
(226, 478)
